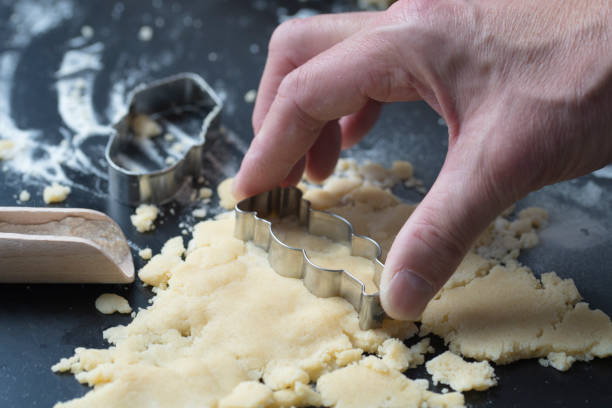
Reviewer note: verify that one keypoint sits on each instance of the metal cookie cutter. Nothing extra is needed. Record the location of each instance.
(137, 172)
(251, 224)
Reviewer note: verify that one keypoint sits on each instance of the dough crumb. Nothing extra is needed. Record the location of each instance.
(145, 33)
(144, 127)
(87, 31)
(24, 196)
(109, 303)
(560, 361)
(450, 369)
(145, 254)
(200, 212)
(205, 193)
(6, 149)
(226, 197)
(55, 193)
(250, 96)
(396, 355)
(144, 218)
(402, 170)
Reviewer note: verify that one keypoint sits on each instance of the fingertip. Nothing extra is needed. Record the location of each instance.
(404, 294)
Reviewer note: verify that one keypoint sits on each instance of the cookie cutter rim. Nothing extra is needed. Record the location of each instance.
(159, 186)
(251, 225)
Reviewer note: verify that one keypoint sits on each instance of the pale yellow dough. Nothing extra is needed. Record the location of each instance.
(24, 196)
(225, 330)
(55, 193)
(109, 303)
(226, 197)
(450, 369)
(144, 218)
(146, 253)
(371, 383)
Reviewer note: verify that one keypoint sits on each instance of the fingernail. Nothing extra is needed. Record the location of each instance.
(406, 295)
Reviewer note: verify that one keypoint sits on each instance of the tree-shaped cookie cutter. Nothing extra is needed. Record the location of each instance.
(169, 95)
(252, 224)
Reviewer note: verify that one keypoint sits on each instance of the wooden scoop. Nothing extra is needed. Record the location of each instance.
(62, 245)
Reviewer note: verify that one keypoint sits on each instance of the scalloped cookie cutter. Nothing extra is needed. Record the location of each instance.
(132, 183)
(252, 225)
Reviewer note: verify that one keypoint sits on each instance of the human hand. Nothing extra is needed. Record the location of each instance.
(525, 88)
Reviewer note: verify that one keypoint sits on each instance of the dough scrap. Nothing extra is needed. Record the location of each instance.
(450, 369)
(55, 193)
(109, 303)
(509, 314)
(24, 196)
(371, 383)
(146, 253)
(144, 218)
(396, 355)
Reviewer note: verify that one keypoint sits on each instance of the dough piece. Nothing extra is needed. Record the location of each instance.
(397, 356)
(55, 193)
(24, 196)
(6, 149)
(144, 218)
(560, 361)
(144, 127)
(205, 193)
(509, 315)
(371, 384)
(403, 170)
(109, 303)
(226, 198)
(200, 212)
(145, 254)
(450, 369)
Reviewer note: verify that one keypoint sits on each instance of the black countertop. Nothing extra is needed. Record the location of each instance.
(56, 84)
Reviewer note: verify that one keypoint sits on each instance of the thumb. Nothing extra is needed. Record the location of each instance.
(436, 237)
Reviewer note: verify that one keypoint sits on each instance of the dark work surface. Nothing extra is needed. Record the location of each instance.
(39, 324)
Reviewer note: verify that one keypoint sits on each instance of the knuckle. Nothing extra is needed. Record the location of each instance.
(294, 90)
(288, 35)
